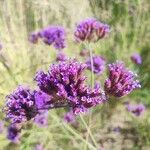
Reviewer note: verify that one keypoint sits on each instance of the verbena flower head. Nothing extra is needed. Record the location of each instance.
(61, 57)
(98, 64)
(91, 30)
(13, 133)
(42, 119)
(121, 81)
(69, 117)
(137, 110)
(33, 37)
(65, 83)
(136, 58)
(20, 105)
(53, 35)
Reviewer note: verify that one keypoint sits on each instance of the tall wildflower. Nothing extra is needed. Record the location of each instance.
(91, 30)
(121, 81)
(65, 83)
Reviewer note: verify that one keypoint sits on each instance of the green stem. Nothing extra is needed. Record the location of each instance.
(89, 131)
(92, 66)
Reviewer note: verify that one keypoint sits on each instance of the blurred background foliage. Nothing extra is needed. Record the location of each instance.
(19, 59)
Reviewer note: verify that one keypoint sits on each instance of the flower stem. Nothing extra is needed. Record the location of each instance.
(92, 66)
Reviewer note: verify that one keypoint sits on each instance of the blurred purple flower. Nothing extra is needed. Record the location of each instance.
(121, 81)
(1, 46)
(69, 117)
(137, 110)
(61, 57)
(1, 126)
(33, 37)
(55, 35)
(117, 129)
(98, 64)
(42, 119)
(65, 83)
(20, 105)
(13, 133)
(39, 147)
(91, 30)
(42, 100)
(136, 58)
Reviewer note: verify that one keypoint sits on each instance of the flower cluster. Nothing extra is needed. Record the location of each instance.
(136, 58)
(65, 83)
(121, 81)
(53, 35)
(98, 64)
(20, 105)
(137, 110)
(91, 30)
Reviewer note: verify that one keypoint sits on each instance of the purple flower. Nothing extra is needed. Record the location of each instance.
(61, 57)
(65, 83)
(13, 133)
(20, 105)
(136, 58)
(1, 126)
(53, 35)
(121, 81)
(41, 119)
(69, 117)
(91, 30)
(1, 46)
(33, 37)
(39, 147)
(43, 101)
(98, 64)
(137, 110)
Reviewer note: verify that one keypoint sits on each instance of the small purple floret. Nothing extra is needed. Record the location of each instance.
(13, 133)
(1, 126)
(33, 37)
(136, 58)
(42, 119)
(98, 64)
(121, 81)
(61, 57)
(137, 110)
(39, 147)
(91, 30)
(69, 117)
